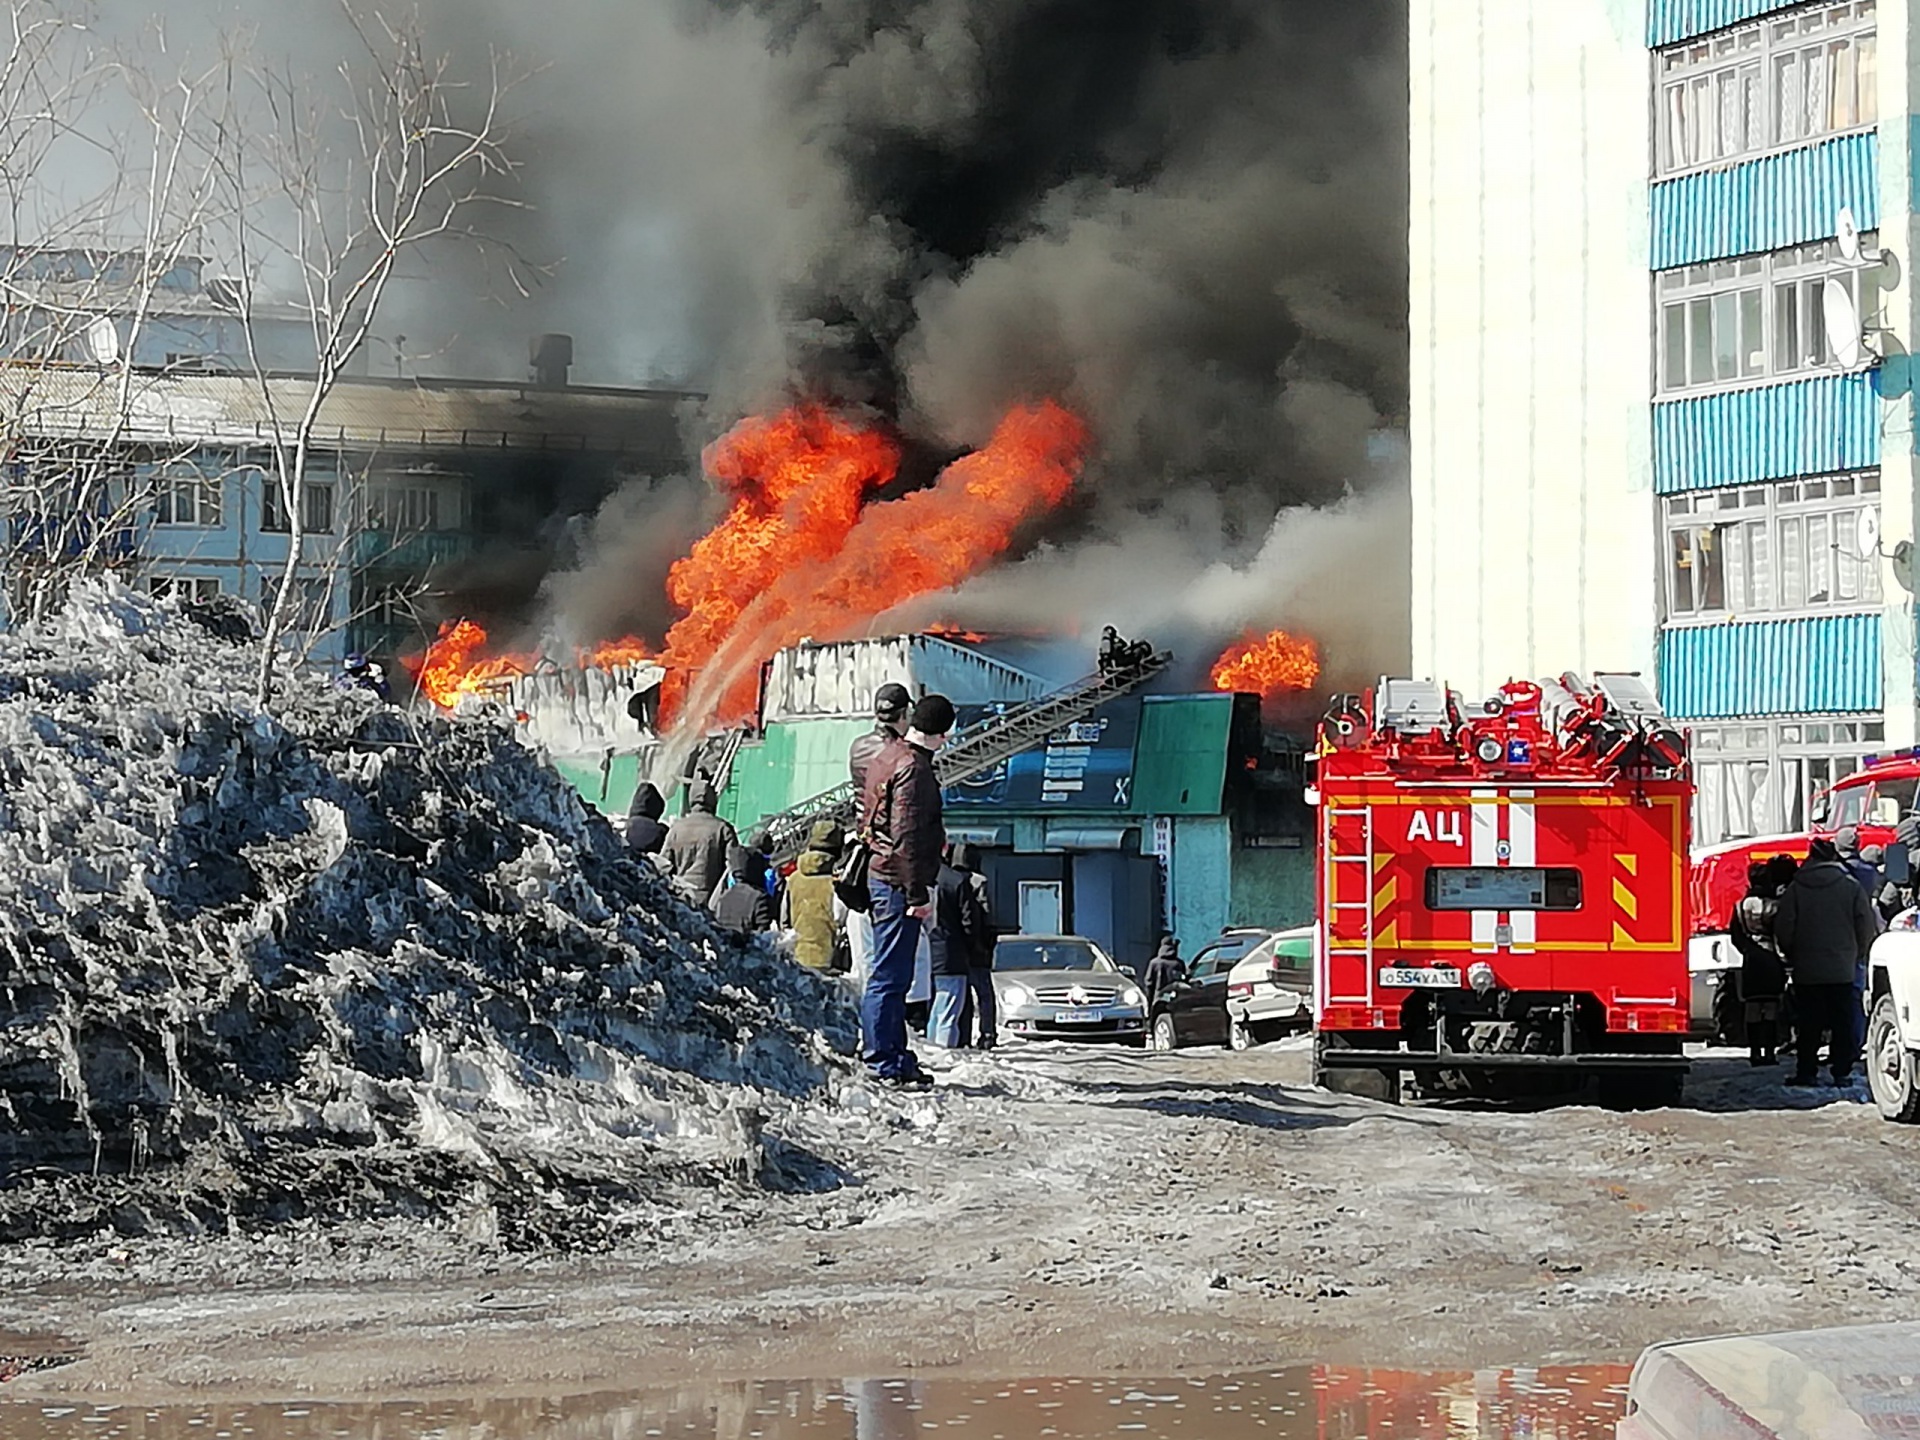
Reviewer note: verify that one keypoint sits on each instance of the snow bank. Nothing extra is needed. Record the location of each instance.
(343, 961)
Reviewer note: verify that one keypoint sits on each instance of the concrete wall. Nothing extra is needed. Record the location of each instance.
(1898, 235)
(1533, 538)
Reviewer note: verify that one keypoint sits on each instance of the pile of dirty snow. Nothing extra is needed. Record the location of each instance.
(344, 962)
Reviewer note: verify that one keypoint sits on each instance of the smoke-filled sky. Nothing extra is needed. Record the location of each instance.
(1185, 218)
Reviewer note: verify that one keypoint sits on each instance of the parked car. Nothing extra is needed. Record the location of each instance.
(1716, 1013)
(1194, 1010)
(1809, 1385)
(1065, 987)
(1270, 991)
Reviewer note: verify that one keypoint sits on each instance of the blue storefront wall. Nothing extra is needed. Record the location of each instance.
(1786, 199)
(1200, 878)
(1819, 665)
(1671, 21)
(1805, 427)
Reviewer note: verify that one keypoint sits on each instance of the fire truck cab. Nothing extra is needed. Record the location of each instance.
(1502, 891)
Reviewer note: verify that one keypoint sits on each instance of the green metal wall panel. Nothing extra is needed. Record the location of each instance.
(1180, 762)
(794, 761)
(1272, 888)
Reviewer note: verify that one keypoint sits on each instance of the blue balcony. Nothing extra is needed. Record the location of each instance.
(1817, 665)
(413, 554)
(1804, 427)
(1787, 199)
(1671, 21)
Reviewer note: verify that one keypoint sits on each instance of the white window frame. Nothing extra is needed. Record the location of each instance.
(397, 508)
(203, 494)
(1759, 777)
(1733, 323)
(1742, 92)
(318, 497)
(1777, 549)
(190, 589)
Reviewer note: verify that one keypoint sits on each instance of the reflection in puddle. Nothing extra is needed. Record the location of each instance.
(1310, 1403)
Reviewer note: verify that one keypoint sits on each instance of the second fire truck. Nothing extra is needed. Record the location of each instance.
(1502, 891)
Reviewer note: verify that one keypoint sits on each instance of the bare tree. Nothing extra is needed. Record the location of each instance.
(101, 199)
(329, 194)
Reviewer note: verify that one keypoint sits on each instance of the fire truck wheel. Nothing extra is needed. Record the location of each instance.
(1366, 1084)
(1891, 1066)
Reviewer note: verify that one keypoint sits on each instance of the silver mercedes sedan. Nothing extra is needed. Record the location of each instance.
(1065, 987)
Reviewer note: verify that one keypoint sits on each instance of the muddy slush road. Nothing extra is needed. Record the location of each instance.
(1052, 1211)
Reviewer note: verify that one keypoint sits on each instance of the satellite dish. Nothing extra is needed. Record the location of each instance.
(1902, 557)
(1847, 233)
(103, 340)
(1866, 534)
(1842, 322)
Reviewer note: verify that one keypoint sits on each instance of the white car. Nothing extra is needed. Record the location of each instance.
(1892, 1057)
(1270, 991)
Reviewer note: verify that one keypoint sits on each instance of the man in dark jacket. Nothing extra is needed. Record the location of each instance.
(696, 846)
(1165, 970)
(901, 818)
(1867, 875)
(744, 907)
(645, 833)
(1824, 927)
(890, 704)
(980, 1016)
(952, 943)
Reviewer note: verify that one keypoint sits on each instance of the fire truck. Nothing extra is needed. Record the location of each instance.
(1502, 891)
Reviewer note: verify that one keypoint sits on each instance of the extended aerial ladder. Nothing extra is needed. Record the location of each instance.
(1020, 728)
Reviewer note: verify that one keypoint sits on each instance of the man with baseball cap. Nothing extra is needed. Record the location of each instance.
(900, 815)
(890, 704)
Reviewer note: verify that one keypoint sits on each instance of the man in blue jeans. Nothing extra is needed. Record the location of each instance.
(900, 815)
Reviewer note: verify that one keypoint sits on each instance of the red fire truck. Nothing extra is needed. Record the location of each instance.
(1502, 891)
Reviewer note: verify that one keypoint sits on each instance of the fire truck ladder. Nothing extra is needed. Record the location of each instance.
(1341, 939)
(1020, 728)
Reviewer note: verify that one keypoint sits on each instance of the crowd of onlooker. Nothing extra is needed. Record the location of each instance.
(1803, 931)
(894, 905)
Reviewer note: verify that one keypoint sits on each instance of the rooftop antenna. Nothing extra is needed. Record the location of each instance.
(103, 341)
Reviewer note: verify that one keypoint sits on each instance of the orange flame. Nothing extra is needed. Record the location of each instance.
(617, 654)
(1268, 665)
(803, 551)
(456, 664)
(923, 542)
(798, 480)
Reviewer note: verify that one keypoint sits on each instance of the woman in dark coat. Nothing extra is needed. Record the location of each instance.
(1763, 977)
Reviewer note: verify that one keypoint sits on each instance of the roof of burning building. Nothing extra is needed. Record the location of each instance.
(82, 402)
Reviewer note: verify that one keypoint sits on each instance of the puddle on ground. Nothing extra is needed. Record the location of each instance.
(1311, 1403)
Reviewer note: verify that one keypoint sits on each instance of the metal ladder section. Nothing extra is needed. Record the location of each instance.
(1340, 939)
(1020, 728)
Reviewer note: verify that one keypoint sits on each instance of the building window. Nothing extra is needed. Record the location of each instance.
(318, 507)
(1760, 317)
(388, 606)
(403, 509)
(1784, 548)
(187, 496)
(1782, 81)
(194, 589)
(312, 604)
(1760, 777)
